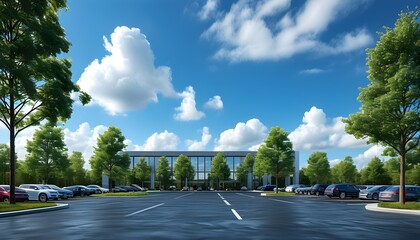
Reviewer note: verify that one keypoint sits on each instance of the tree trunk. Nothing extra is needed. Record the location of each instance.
(110, 180)
(12, 143)
(402, 178)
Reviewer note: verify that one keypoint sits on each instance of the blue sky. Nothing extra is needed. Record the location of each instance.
(217, 75)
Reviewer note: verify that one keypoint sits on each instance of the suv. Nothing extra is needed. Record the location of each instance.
(268, 187)
(342, 191)
(318, 189)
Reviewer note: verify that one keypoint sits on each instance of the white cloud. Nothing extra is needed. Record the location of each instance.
(208, 9)
(214, 103)
(188, 111)
(21, 141)
(164, 141)
(312, 71)
(83, 140)
(194, 145)
(363, 159)
(318, 133)
(243, 136)
(127, 79)
(246, 32)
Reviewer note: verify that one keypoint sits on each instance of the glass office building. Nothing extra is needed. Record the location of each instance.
(201, 161)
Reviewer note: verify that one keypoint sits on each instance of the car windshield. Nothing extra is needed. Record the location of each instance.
(7, 188)
(44, 187)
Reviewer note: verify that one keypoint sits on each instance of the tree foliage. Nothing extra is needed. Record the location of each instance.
(390, 104)
(183, 169)
(345, 171)
(275, 156)
(143, 171)
(219, 169)
(108, 155)
(163, 172)
(76, 168)
(4, 163)
(35, 84)
(375, 173)
(47, 152)
(318, 169)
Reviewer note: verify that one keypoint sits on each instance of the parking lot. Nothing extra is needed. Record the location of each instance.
(211, 215)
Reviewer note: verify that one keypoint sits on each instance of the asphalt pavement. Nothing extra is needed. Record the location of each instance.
(212, 215)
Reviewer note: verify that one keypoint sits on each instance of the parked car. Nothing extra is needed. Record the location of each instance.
(79, 190)
(130, 188)
(98, 189)
(268, 187)
(372, 192)
(20, 194)
(118, 189)
(303, 190)
(144, 189)
(63, 193)
(392, 194)
(318, 189)
(281, 189)
(292, 188)
(172, 188)
(244, 188)
(342, 190)
(38, 192)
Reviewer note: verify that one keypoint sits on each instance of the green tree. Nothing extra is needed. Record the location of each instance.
(275, 156)
(318, 169)
(4, 163)
(413, 176)
(375, 173)
(108, 153)
(303, 179)
(34, 83)
(163, 172)
(345, 171)
(392, 167)
(143, 171)
(390, 104)
(76, 168)
(183, 169)
(47, 152)
(219, 169)
(244, 168)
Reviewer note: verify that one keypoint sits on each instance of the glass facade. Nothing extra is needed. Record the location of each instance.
(200, 160)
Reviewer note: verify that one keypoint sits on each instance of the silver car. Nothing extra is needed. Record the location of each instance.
(392, 194)
(372, 193)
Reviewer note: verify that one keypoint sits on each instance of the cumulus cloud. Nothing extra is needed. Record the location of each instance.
(214, 103)
(21, 141)
(188, 111)
(126, 79)
(317, 133)
(244, 136)
(363, 159)
(208, 9)
(247, 31)
(83, 140)
(194, 145)
(164, 141)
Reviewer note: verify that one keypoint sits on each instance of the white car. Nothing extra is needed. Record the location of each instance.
(40, 193)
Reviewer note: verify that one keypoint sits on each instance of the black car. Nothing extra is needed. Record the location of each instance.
(342, 190)
(318, 189)
(129, 188)
(80, 190)
(268, 187)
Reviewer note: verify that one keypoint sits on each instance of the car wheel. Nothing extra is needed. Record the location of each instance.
(82, 194)
(317, 193)
(375, 196)
(329, 196)
(42, 197)
(342, 195)
(5, 200)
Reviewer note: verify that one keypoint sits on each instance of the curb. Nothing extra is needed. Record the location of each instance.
(36, 210)
(374, 207)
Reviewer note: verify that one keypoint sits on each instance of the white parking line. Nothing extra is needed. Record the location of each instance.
(143, 210)
(236, 214)
(227, 203)
(183, 196)
(220, 196)
(280, 200)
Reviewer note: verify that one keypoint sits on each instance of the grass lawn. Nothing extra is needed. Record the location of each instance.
(271, 194)
(6, 207)
(407, 205)
(121, 194)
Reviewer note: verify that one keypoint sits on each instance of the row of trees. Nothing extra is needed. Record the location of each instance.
(376, 172)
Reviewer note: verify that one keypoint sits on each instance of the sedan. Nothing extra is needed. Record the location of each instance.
(80, 190)
(63, 193)
(40, 193)
(342, 190)
(372, 193)
(20, 194)
(392, 194)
